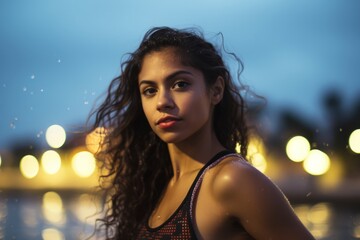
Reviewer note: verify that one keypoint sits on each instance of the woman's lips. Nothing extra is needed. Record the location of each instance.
(167, 122)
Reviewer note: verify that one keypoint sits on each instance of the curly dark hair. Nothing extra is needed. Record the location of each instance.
(135, 161)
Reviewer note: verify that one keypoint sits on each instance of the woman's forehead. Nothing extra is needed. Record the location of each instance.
(156, 62)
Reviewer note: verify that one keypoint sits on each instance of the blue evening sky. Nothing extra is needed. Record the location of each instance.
(58, 56)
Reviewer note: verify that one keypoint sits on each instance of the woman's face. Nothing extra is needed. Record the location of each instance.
(175, 98)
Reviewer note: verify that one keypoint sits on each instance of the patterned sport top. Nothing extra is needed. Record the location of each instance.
(179, 226)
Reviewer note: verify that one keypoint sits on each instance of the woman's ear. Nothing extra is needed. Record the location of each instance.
(217, 90)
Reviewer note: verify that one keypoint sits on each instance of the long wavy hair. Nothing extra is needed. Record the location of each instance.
(135, 162)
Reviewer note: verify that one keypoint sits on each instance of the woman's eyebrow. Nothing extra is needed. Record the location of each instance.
(168, 78)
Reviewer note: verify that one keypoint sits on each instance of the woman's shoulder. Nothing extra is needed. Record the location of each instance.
(233, 167)
(235, 176)
(243, 192)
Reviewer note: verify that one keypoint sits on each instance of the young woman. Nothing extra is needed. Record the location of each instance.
(173, 120)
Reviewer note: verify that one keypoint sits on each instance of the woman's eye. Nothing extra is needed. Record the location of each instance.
(149, 91)
(181, 84)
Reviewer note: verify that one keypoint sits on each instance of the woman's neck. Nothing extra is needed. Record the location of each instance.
(192, 154)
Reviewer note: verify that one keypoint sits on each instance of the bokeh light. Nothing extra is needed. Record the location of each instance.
(51, 162)
(256, 145)
(317, 162)
(83, 164)
(29, 166)
(317, 218)
(52, 234)
(356, 232)
(297, 148)
(0, 160)
(259, 162)
(320, 216)
(53, 208)
(302, 211)
(255, 153)
(85, 208)
(319, 213)
(237, 148)
(94, 139)
(29, 215)
(354, 141)
(55, 136)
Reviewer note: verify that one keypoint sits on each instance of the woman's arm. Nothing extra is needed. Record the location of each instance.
(259, 205)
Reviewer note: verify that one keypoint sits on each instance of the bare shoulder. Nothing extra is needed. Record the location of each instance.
(251, 197)
(235, 175)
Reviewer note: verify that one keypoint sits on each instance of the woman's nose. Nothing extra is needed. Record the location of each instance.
(164, 101)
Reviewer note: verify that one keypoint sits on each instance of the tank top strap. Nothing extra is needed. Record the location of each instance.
(199, 179)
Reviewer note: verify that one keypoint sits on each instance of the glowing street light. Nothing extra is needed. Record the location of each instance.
(29, 166)
(55, 136)
(83, 164)
(297, 148)
(317, 162)
(354, 141)
(51, 162)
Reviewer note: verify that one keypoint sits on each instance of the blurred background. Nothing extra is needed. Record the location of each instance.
(58, 57)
